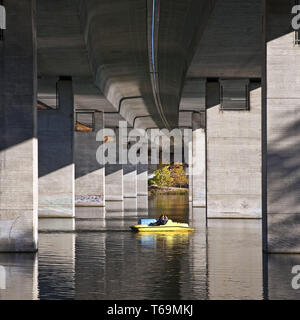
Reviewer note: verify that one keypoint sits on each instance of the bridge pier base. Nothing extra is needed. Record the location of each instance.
(56, 164)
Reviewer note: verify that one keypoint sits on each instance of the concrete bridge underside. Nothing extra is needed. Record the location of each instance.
(199, 64)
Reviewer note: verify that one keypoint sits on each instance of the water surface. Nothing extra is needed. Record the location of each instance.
(103, 259)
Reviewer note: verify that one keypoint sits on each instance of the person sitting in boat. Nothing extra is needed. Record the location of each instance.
(160, 221)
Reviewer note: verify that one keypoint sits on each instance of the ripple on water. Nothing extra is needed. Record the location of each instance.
(102, 259)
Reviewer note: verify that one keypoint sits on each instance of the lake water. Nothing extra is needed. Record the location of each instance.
(103, 259)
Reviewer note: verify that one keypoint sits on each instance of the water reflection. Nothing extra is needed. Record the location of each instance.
(131, 266)
(56, 265)
(235, 259)
(18, 276)
(162, 240)
(278, 276)
(97, 257)
(174, 206)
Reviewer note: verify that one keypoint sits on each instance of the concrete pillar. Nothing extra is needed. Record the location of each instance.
(56, 164)
(114, 190)
(281, 130)
(130, 188)
(199, 160)
(89, 174)
(233, 157)
(18, 143)
(142, 188)
(190, 165)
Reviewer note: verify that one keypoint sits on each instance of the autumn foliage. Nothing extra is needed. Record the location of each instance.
(170, 176)
(179, 176)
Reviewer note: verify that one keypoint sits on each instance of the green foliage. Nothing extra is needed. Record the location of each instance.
(163, 176)
(179, 176)
(170, 176)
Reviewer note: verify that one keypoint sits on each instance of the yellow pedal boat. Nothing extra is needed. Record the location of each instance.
(170, 226)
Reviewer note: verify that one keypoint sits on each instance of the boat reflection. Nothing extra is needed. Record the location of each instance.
(163, 239)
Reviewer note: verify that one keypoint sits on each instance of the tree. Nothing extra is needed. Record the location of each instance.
(168, 176)
(163, 176)
(179, 176)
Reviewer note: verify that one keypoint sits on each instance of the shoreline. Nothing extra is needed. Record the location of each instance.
(166, 190)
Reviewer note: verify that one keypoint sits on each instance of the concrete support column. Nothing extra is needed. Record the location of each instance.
(281, 130)
(130, 188)
(190, 165)
(90, 175)
(56, 164)
(114, 187)
(142, 188)
(233, 156)
(18, 143)
(198, 160)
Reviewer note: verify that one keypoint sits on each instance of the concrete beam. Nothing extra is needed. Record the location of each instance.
(231, 42)
(18, 143)
(56, 164)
